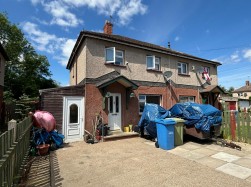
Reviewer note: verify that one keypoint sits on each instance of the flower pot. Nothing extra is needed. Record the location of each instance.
(43, 149)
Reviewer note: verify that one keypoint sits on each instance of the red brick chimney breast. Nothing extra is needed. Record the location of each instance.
(108, 27)
(247, 83)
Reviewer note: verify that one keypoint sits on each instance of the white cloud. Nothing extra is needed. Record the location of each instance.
(61, 14)
(61, 11)
(129, 9)
(247, 54)
(177, 38)
(35, 2)
(60, 47)
(107, 7)
(66, 48)
(235, 57)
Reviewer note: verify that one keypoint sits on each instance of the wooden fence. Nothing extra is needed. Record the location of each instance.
(14, 147)
(237, 126)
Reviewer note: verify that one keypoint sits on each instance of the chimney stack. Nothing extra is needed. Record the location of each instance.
(108, 27)
(247, 83)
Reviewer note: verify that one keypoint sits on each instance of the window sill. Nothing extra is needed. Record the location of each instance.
(154, 70)
(184, 75)
(111, 64)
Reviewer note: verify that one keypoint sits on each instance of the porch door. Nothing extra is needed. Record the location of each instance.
(114, 109)
(73, 118)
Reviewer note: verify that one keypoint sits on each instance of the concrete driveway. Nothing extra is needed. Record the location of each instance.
(136, 162)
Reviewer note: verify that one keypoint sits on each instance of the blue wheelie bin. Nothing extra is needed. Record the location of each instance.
(165, 133)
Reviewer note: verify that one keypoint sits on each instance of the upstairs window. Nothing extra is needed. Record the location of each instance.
(240, 94)
(153, 62)
(182, 68)
(113, 56)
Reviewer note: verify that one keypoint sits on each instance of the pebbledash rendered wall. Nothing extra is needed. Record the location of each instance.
(90, 63)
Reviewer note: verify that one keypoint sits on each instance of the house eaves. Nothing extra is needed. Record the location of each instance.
(132, 43)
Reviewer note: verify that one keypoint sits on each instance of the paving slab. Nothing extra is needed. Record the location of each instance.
(216, 147)
(225, 157)
(245, 162)
(235, 152)
(248, 179)
(193, 155)
(211, 162)
(247, 156)
(205, 151)
(235, 170)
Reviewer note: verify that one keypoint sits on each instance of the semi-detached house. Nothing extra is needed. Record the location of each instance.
(116, 76)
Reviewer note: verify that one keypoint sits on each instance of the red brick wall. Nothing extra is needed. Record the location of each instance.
(93, 105)
(93, 101)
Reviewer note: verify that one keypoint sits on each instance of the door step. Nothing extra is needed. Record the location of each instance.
(114, 132)
(120, 135)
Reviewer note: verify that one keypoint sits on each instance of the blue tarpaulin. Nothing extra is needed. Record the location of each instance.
(150, 113)
(202, 116)
(41, 136)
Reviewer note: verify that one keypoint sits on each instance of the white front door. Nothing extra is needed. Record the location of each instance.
(114, 109)
(73, 118)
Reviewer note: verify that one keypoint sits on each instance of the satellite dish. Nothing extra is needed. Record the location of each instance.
(200, 69)
(167, 74)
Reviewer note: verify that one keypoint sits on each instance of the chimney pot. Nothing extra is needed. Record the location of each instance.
(169, 45)
(247, 83)
(108, 27)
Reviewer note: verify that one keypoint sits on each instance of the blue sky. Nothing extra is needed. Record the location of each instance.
(216, 30)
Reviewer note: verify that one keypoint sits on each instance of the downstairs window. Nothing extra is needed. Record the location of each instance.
(143, 99)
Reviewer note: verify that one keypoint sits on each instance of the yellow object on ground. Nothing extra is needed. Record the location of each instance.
(126, 129)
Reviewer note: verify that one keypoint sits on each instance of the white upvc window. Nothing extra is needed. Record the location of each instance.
(119, 57)
(152, 62)
(184, 99)
(113, 56)
(182, 68)
(157, 63)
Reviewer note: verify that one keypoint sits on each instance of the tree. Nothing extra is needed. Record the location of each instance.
(230, 91)
(27, 71)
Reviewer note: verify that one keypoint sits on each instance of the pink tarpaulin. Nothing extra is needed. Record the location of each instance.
(44, 119)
